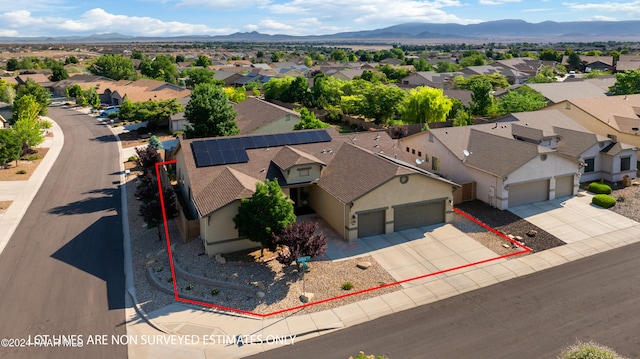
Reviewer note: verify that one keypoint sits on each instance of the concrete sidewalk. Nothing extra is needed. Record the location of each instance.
(23, 192)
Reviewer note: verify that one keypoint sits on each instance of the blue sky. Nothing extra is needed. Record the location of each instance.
(294, 17)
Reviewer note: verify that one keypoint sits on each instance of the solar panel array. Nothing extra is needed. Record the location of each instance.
(229, 150)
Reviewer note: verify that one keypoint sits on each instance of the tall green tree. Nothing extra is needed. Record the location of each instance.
(209, 113)
(627, 83)
(41, 95)
(7, 92)
(426, 105)
(266, 213)
(10, 146)
(574, 61)
(496, 80)
(115, 67)
(59, 73)
(28, 128)
(198, 76)
(162, 68)
(482, 101)
(443, 66)
(382, 102)
(203, 61)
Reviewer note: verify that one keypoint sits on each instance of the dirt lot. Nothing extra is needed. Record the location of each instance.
(132, 139)
(10, 174)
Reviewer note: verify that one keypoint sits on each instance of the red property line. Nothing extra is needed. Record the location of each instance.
(190, 301)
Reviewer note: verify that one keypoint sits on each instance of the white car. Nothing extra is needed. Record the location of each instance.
(107, 110)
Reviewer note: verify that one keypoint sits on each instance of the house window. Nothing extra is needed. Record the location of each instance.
(304, 172)
(589, 165)
(625, 163)
(435, 164)
(407, 149)
(413, 151)
(419, 154)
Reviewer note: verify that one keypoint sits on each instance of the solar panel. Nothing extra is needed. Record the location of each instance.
(249, 143)
(199, 146)
(282, 139)
(225, 150)
(271, 140)
(304, 137)
(236, 143)
(260, 141)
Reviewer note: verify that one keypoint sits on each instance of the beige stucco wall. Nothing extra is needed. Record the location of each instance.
(219, 233)
(282, 124)
(329, 208)
(294, 174)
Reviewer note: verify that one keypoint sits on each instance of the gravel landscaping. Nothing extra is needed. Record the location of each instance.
(628, 202)
(509, 223)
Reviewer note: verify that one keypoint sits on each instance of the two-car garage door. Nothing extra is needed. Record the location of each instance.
(529, 192)
(406, 216)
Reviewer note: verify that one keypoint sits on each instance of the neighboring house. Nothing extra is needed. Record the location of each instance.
(512, 76)
(256, 116)
(347, 180)
(560, 91)
(524, 158)
(431, 78)
(228, 77)
(524, 65)
(348, 74)
(628, 62)
(5, 113)
(3, 123)
(84, 81)
(588, 63)
(617, 117)
(177, 121)
(143, 90)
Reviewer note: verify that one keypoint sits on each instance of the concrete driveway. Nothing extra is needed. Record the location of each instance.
(573, 219)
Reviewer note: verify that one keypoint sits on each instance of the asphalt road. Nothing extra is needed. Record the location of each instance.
(536, 316)
(62, 271)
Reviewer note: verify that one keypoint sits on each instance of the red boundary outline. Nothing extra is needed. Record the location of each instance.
(525, 249)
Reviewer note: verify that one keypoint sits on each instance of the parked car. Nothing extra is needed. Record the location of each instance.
(107, 110)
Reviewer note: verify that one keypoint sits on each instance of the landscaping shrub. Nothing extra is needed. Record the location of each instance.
(599, 188)
(112, 115)
(21, 172)
(583, 350)
(603, 200)
(347, 286)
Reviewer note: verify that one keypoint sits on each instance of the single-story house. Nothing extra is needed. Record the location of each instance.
(526, 157)
(256, 116)
(431, 78)
(358, 183)
(628, 62)
(559, 91)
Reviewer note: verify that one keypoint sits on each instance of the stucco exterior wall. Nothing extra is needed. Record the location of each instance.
(331, 209)
(219, 234)
(296, 174)
(184, 182)
(418, 188)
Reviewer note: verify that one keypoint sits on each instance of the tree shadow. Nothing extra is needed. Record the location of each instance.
(100, 200)
(105, 138)
(98, 250)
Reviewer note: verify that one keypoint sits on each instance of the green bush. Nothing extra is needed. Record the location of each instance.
(132, 159)
(21, 172)
(603, 200)
(593, 350)
(112, 115)
(347, 286)
(599, 188)
(215, 292)
(190, 287)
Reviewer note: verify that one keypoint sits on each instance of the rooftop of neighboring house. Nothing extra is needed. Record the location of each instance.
(560, 91)
(437, 77)
(254, 113)
(147, 89)
(621, 113)
(358, 157)
(608, 60)
(628, 62)
(503, 146)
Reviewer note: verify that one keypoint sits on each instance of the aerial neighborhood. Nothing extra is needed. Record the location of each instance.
(254, 162)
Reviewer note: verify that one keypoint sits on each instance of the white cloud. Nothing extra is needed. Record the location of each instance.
(496, 2)
(35, 5)
(537, 10)
(599, 18)
(619, 7)
(222, 4)
(99, 21)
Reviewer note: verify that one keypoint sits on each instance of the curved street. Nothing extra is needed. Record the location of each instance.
(62, 270)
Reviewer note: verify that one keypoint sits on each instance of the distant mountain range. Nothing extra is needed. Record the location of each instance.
(493, 31)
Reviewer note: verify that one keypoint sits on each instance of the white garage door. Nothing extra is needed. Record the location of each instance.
(529, 192)
(371, 223)
(564, 186)
(418, 215)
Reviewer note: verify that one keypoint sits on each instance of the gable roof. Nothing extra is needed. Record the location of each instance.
(356, 157)
(560, 91)
(254, 113)
(621, 113)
